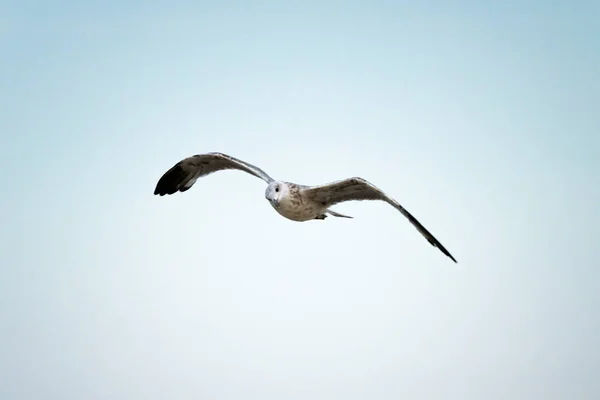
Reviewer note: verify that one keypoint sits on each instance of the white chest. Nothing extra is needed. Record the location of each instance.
(298, 211)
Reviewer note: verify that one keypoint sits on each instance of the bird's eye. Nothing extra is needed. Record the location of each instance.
(277, 189)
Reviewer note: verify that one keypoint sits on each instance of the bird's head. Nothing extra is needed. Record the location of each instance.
(275, 192)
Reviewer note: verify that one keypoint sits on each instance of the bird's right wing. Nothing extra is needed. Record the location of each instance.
(184, 174)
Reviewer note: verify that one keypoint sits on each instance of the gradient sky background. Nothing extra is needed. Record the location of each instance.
(482, 120)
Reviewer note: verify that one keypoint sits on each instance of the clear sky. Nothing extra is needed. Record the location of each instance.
(482, 120)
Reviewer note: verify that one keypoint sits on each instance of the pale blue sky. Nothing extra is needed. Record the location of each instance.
(482, 120)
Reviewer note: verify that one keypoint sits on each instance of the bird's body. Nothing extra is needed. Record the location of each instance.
(293, 201)
(292, 205)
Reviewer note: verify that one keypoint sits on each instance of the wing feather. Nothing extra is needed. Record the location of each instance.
(184, 174)
(359, 189)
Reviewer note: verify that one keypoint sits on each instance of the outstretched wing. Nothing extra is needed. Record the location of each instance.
(359, 189)
(184, 174)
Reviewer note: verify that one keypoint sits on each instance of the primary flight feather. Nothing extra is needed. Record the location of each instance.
(293, 201)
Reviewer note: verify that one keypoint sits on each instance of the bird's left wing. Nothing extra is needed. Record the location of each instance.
(184, 174)
(360, 189)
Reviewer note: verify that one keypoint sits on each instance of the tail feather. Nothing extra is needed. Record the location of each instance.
(335, 214)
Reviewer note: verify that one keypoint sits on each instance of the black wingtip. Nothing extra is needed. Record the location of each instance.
(160, 188)
(446, 252)
(171, 181)
(436, 243)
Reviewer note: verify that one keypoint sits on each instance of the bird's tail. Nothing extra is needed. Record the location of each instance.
(337, 214)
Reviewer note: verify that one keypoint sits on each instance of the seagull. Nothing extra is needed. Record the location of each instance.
(293, 201)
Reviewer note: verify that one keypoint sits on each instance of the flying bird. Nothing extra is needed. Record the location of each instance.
(292, 201)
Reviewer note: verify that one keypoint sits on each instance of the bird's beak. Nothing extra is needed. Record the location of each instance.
(274, 202)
